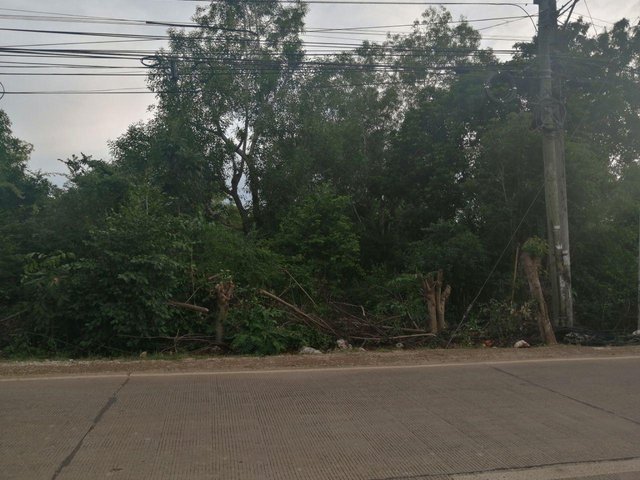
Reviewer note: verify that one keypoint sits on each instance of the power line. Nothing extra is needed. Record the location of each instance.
(168, 37)
(463, 20)
(71, 18)
(68, 18)
(132, 91)
(570, 9)
(60, 44)
(377, 2)
(589, 12)
(66, 74)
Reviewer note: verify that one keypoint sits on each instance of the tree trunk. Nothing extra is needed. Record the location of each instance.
(436, 299)
(444, 296)
(224, 293)
(531, 266)
(244, 215)
(253, 184)
(429, 292)
(441, 300)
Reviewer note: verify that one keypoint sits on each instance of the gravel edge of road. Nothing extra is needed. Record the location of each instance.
(337, 359)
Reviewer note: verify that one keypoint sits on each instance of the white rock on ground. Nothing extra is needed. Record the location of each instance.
(310, 351)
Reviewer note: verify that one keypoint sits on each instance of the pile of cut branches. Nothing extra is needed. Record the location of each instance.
(352, 323)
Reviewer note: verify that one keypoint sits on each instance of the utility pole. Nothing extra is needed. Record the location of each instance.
(552, 123)
(638, 271)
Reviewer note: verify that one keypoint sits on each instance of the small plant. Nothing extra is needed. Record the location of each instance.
(506, 322)
(469, 334)
(258, 332)
(536, 247)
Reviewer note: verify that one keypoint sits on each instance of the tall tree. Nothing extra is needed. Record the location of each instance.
(228, 79)
(22, 195)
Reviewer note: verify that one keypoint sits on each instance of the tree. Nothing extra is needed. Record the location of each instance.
(112, 293)
(167, 153)
(227, 79)
(22, 195)
(433, 53)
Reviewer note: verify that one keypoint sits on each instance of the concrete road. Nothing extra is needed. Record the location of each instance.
(542, 420)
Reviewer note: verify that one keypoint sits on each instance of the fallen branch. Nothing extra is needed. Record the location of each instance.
(364, 313)
(351, 326)
(318, 322)
(188, 306)
(179, 338)
(13, 315)
(300, 286)
(402, 329)
(399, 337)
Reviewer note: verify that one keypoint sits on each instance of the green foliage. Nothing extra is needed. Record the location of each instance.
(168, 154)
(22, 196)
(318, 234)
(536, 247)
(327, 186)
(15, 182)
(499, 324)
(452, 248)
(506, 323)
(114, 296)
(400, 299)
(94, 189)
(217, 248)
(258, 330)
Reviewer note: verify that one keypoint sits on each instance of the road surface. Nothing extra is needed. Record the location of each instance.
(525, 420)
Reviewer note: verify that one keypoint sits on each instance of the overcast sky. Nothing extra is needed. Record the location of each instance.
(61, 125)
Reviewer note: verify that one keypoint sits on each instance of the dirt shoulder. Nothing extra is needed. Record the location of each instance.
(328, 360)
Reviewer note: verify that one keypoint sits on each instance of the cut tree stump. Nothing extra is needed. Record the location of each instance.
(531, 267)
(224, 293)
(436, 299)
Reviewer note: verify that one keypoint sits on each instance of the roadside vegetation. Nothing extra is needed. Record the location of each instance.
(278, 200)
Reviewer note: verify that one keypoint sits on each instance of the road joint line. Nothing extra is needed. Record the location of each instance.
(105, 408)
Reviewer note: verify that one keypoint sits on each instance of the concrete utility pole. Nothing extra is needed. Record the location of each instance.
(639, 271)
(552, 123)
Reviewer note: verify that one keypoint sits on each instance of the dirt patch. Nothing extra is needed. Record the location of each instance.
(335, 359)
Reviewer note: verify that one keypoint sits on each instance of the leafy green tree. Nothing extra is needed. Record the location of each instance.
(434, 52)
(17, 187)
(94, 189)
(603, 89)
(167, 153)
(22, 195)
(229, 78)
(114, 295)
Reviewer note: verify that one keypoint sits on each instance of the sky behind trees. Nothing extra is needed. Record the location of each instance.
(59, 125)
